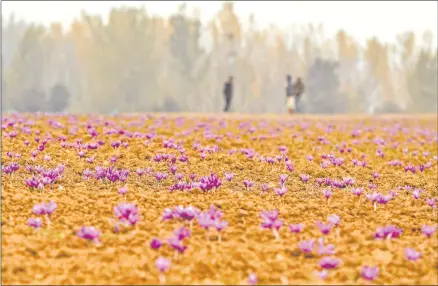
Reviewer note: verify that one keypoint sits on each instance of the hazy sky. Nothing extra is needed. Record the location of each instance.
(361, 19)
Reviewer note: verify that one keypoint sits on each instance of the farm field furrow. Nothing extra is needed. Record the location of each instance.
(198, 199)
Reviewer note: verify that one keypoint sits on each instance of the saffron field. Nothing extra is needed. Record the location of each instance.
(199, 199)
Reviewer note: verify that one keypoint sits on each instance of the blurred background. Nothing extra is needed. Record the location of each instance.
(173, 56)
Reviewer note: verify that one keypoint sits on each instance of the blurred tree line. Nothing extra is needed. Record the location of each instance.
(136, 62)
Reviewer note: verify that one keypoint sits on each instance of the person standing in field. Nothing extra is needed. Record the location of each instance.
(298, 90)
(290, 100)
(228, 93)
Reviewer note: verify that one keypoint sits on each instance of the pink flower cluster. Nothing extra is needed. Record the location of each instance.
(127, 213)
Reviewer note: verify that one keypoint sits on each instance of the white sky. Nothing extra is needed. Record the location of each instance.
(361, 19)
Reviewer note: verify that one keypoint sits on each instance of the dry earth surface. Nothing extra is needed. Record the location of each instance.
(395, 156)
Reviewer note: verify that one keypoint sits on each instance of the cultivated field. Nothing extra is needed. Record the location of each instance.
(192, 199)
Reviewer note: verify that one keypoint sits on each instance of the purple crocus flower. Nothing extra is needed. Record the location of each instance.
(384, 199)
(39, 169)
(329, 262)
(283, 179)
(113, 159)
(431, 202)
(252, 279)
(122, 191)
(324, 228)
(348, 181)
(204, 220)
(305, 178)
(325, 164)
(115, 144)
(180, 186)
(410, 168)
(248, 184)
(375, 175)
(289, 166)
(214, 212)
(160, 176)
(334, 219)
(380, 153)
(179, 176)
(411, 254)
(374, 197)
(283, 149)
(281, 191)
(181, 233)
(173, 169)
(167, 214)
(428, 230)
(32, 182)
(321, 181)
(177, 244)
(139, 172)
(369, 272)
(34, 153)
(327, 193)
(192, 176)
(321, 274)
(9, 169)
(162, 264)
(357, 191)
(127, 213)
(416, 194)
(44, 208)
(220, 224)
(325, 250)
(155, 243)
(210, 182)
(89, 233)
(46, 181)
(297, 228)
(338, 184)
(395, 163)
(35, 222)
(270, 221)
(187, 213)
(306, 246)
(388, 232)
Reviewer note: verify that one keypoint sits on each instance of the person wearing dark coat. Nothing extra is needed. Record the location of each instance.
(298, 90)
(228, 93)
(290, 99)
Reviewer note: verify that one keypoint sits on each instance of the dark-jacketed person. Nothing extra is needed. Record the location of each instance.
(228, 93)
(298, 90)
(290, 100)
